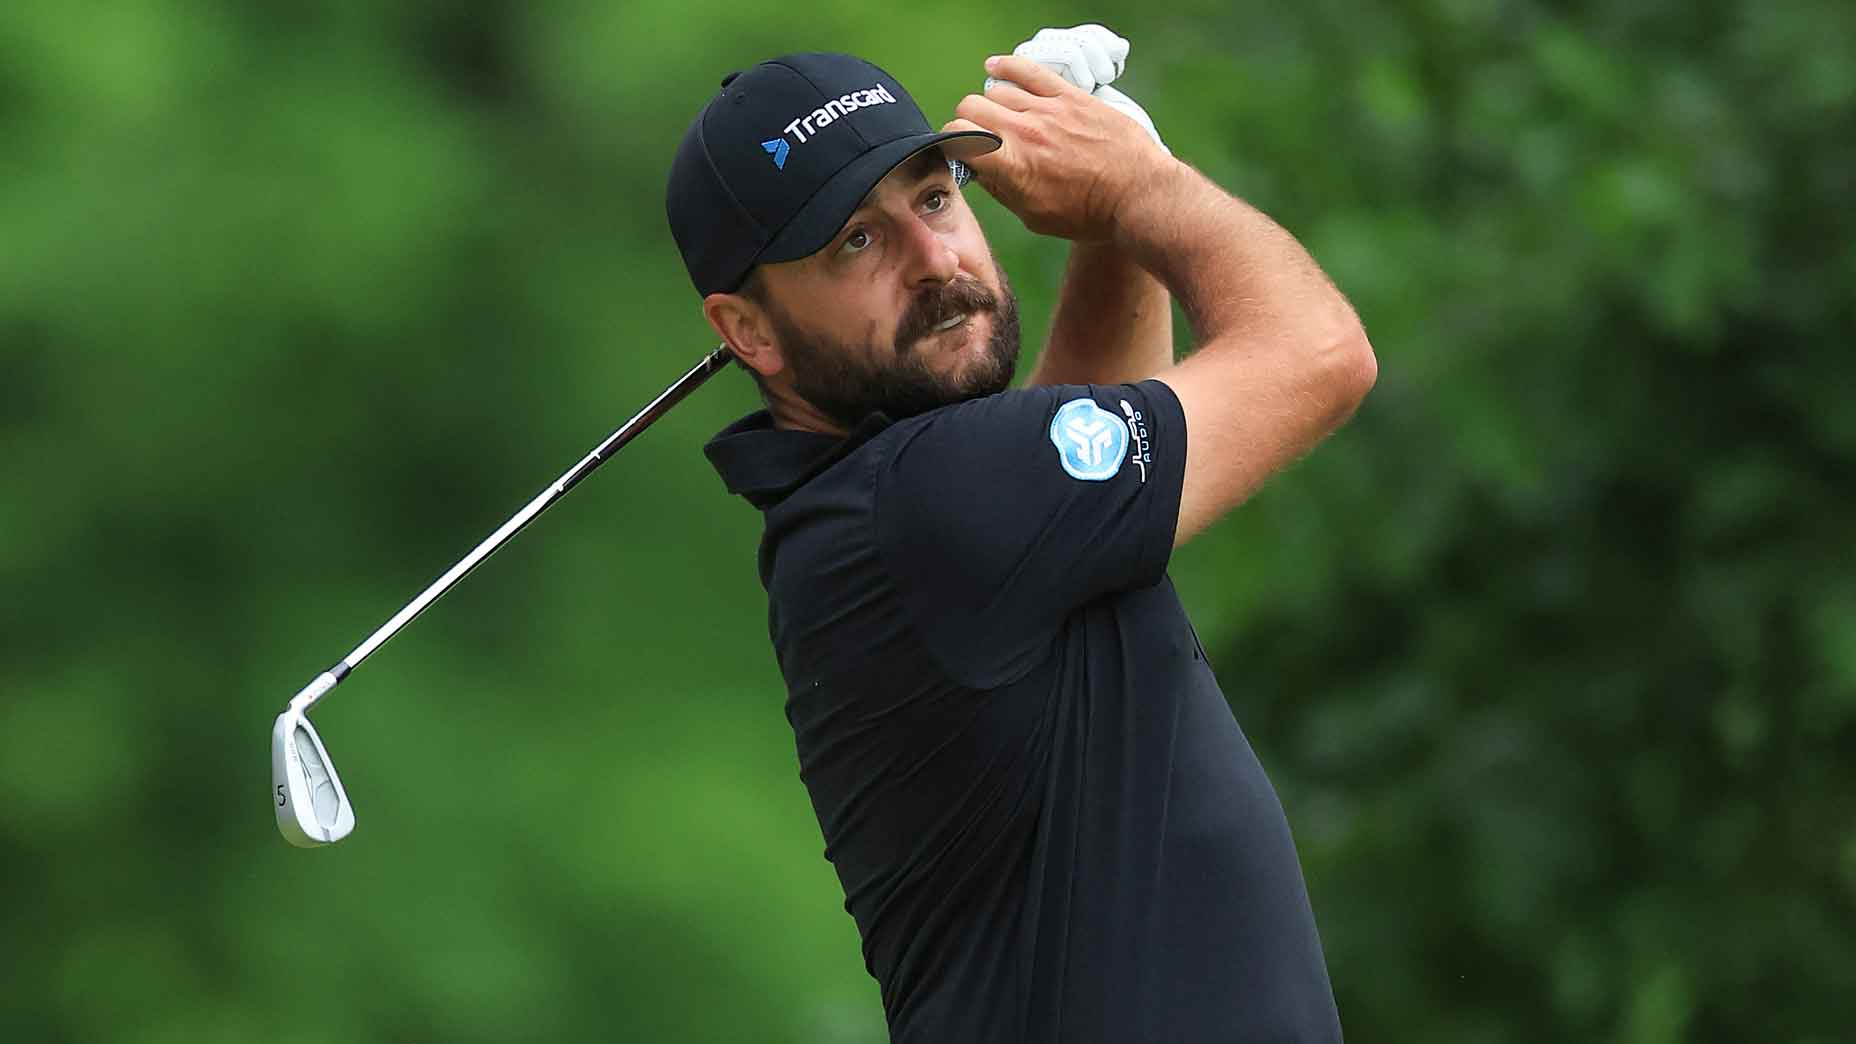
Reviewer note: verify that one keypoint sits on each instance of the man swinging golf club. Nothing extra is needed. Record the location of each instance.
(1046, 820)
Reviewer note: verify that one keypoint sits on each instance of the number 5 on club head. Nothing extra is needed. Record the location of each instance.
(312, 805)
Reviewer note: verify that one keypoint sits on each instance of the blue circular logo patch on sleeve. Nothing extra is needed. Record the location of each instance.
(1091, 442)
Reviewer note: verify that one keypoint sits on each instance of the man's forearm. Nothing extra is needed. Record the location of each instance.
(1237, 274)
(1113, 324)
(1281, 360)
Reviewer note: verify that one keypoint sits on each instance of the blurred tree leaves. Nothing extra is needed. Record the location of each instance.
(1548, 676)
(1552, 653)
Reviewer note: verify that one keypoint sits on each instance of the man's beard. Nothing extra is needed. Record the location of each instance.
(848, 383)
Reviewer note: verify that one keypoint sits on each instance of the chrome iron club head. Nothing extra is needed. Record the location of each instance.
(312, 805)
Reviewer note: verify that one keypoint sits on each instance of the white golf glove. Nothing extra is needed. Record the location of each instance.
(1091, 57)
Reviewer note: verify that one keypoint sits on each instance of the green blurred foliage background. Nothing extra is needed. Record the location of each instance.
(1552, 653)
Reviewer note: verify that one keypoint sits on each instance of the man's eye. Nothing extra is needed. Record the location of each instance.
(937, 202)
(855, 242)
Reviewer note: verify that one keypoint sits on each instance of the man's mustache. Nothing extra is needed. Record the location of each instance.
(960, 297)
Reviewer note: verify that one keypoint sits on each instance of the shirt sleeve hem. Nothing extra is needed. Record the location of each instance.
(1166, 428)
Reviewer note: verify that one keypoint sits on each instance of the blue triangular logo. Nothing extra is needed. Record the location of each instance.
(778, 148)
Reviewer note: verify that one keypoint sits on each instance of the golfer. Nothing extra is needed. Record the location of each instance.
(1047, 823)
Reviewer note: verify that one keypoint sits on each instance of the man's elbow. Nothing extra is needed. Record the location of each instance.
(1350, 368)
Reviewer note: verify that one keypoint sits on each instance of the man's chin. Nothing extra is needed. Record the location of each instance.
(987, 366)
(970, 361)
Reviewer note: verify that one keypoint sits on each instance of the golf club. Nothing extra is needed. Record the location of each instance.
(312, 805)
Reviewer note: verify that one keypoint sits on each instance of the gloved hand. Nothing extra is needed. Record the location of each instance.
(1091, 57)
(1066, 163)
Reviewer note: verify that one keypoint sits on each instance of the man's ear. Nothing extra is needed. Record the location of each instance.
(744, 325)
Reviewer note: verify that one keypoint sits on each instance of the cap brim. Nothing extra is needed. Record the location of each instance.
(831, 206)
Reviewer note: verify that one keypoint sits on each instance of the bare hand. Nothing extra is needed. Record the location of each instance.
(1068, 162)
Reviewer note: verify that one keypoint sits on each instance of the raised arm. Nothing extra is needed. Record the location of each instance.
(1281, 360)
(1113, 324)
(1114, 320)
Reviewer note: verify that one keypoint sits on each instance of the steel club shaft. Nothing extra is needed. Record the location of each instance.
(702, 371)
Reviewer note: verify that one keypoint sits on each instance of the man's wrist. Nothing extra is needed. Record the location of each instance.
(1151, 198)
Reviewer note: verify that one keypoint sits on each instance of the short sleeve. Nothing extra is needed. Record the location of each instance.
(999, 517)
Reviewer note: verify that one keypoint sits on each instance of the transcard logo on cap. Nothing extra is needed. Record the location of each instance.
(818, 119)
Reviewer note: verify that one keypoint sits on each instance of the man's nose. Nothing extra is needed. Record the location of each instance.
(931, 258)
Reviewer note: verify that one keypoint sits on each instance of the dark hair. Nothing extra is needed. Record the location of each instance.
(753, 287)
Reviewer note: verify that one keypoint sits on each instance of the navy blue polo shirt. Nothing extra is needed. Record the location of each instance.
(1048, 825)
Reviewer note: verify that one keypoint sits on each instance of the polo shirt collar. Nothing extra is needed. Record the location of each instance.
(766, 464)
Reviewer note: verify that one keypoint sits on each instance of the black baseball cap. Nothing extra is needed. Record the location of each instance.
(779, 159)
